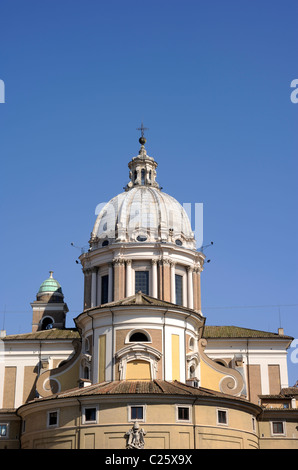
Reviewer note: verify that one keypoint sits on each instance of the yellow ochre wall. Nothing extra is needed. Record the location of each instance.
(175, 358)
(210, 378)
(138, 370)
(102, 358)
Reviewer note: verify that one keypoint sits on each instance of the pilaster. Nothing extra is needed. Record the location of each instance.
(119, 279)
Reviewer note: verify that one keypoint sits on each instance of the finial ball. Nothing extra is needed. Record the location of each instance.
(142, 140)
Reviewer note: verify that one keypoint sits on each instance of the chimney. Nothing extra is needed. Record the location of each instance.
(280, 331)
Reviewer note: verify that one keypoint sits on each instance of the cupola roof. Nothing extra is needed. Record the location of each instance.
(50, 286)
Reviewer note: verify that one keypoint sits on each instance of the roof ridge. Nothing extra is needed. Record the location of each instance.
(157, 382)
(178, 384)
(230, 328)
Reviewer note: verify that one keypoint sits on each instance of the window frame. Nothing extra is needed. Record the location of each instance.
(137, 330)
(136, 405)
(89, 407)
(179, 420)
(47, 323)
(5, 436)
(222, 410)
(254, 423)
(277, 434)
(180, 276)
(104, 288)
(148, 280)
(48, 418)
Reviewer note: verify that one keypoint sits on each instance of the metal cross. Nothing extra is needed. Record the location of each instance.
(142, 129)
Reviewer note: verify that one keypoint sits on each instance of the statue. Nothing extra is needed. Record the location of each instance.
(135, 437)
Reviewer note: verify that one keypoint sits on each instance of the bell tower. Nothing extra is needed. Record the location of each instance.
(49, 308)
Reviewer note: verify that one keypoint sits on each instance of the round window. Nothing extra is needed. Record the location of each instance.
(178, 242)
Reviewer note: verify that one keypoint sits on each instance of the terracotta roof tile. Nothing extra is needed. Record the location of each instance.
(155, 387)
(238, 332)
(52, 334)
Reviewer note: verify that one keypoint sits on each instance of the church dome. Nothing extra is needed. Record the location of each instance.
(143, 213)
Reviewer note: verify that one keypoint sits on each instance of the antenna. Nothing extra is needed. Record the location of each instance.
(82, 248)
(206, 246)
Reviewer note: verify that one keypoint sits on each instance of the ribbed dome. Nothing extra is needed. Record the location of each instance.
(50, 286)
(144, 213)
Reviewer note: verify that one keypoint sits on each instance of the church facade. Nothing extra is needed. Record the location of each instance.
(141, 368)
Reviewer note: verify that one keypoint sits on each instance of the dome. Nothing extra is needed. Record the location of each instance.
(50, 286)
(143, 214)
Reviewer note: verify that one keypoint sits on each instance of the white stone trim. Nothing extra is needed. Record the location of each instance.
(141, 352)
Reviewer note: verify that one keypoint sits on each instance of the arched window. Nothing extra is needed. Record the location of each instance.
(47, 323)
(139, 337)
(87, 345)
(143, 177)
(86, 373)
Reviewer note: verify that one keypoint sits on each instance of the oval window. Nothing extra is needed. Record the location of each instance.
(178, 242)
(141, 238)
(105, 243)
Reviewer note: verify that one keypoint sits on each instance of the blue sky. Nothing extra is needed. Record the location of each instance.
(211, 80)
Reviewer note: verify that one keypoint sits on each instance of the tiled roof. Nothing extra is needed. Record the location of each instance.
(155, 387)
(52, 334)
(238, 332)
(287, 392)
(143, 299)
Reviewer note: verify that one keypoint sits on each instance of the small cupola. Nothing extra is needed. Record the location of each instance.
(50, 290)
(142, 167)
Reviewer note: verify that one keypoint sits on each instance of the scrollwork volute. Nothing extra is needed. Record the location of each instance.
(232, 383)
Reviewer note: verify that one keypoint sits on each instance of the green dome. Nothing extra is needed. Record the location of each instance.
(50, 285)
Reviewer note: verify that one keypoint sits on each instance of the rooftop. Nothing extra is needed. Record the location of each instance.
(53, 334)
(238, 332)
(155, 387)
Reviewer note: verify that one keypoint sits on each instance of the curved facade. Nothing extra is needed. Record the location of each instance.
(172, 415)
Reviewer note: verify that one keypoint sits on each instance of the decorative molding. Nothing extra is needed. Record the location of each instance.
(141, 352)
(48, 382)
(118, 261)
(232, 383)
